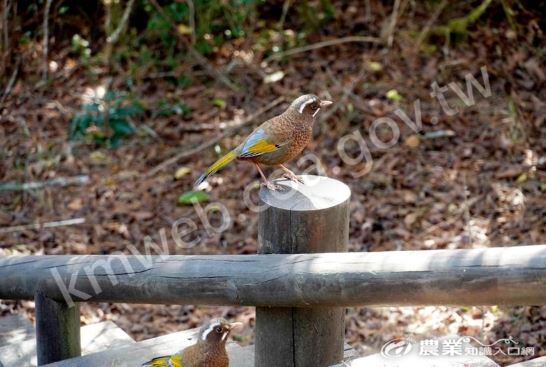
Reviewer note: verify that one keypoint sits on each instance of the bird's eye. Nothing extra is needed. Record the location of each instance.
(218, 329)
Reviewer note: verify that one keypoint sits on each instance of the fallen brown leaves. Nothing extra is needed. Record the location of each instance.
(483, 184)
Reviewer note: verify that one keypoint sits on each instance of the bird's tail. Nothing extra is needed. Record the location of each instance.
(216, 166)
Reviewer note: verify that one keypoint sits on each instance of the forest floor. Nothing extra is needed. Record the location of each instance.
(470, 179)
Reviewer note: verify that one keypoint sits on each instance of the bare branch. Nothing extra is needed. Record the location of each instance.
(392, 25)
(46, 39)
(58, 182)
(5, 28)
(60, 223)
(11, 82)
(113, 38)
(424, 33)
(328, 43)
(191, 7)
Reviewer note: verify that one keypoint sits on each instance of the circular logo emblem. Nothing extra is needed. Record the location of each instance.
(396, 348)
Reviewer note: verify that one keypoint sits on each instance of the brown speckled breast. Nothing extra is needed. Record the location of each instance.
(199, 355)
(292, 131)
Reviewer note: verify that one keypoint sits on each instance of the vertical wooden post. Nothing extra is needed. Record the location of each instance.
(57, 330)
(302, 218)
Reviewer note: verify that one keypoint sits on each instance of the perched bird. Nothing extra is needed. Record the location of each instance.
(277, 140)
(209, 351)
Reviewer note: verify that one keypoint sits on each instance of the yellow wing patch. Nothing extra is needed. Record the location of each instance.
(258, 143)
(169, 361)
(262, 146)
(157, 362)
(176, 361)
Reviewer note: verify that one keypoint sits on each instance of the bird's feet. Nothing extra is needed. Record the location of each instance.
(292, 177)
(270, 185)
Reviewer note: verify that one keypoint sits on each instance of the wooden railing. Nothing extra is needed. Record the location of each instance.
(492, 276)
(299, 297)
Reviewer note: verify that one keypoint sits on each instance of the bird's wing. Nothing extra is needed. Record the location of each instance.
(166, 361)
(176, 361)
(258, 143)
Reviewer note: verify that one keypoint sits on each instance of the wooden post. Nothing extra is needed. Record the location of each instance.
(57, 330)
(302, 218)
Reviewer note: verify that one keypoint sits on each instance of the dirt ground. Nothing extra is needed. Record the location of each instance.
(469, 179)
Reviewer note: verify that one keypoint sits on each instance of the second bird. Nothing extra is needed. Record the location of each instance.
(209, 351)
(277, 140)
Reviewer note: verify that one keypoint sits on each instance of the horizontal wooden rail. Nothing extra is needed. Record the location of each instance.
(507, 276)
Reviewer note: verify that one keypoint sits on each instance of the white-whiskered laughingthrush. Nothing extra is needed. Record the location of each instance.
(277, 140)
(209, 351)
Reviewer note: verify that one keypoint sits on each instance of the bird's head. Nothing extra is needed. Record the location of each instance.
(217, 331)
(309, 104)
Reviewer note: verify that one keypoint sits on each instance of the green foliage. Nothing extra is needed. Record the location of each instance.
(193, 197)
(314, 18)
(165, 108)
(306, 18)
(215, 22)
(96, 126)
(457, 29)
(394, 95)
(80, 47)
(161, 27)
(219, 102)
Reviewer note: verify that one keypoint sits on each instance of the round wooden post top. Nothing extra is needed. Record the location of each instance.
(316, 193)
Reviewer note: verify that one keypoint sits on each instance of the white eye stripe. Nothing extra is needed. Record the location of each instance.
(208, 331)
(302, 107)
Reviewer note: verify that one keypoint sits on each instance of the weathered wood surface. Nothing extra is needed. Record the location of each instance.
(57, 330)
(103, 335)
(15, 329)
(415, 360)
(302, 218)
(408, 354)
(503, 276)
(94, 338)
(536, 362)
(376, 360)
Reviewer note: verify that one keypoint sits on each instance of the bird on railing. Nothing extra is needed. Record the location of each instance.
(277, 140)
(209, 351)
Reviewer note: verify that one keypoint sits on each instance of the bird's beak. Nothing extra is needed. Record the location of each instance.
(325, 103)
(235, 325)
